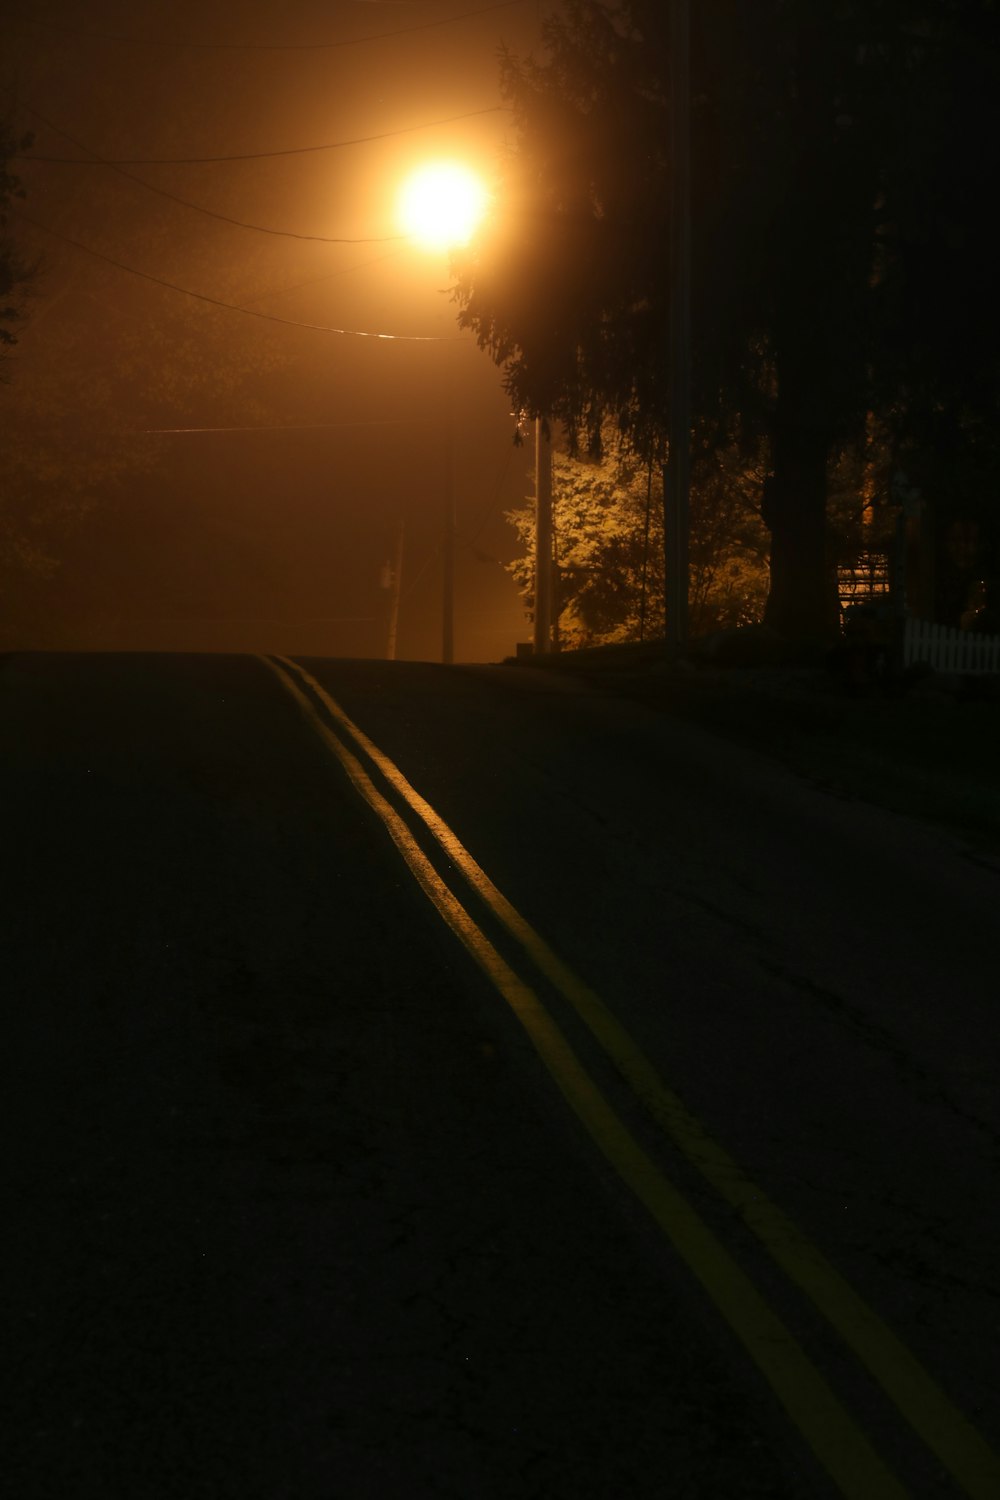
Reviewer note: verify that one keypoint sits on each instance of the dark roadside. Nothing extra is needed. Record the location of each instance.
(927, 746)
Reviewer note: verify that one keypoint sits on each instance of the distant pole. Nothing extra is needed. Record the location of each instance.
(397, 584)
(543, 538)
(448, 600)
(677, 487)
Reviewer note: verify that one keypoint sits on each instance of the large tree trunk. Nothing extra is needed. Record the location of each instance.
(802, 601)
(821, 248)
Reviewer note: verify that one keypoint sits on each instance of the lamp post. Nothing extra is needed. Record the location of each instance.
(543, 537)
(677, 485)
(394, 572)
(448, 580)
(440, 206)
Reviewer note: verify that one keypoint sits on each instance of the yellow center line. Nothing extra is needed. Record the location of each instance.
(914, 1392)
(835, 1438)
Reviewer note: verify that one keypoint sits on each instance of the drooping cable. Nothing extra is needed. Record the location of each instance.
(250, 312)
(195, 161)
(184, 45)
(325, 239)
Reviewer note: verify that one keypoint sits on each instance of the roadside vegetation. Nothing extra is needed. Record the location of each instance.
(608, 546)
(927, 747)
(844, 303)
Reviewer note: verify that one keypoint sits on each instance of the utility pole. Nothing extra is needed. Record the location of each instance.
(677, 487)
(396, 584)
(543, 538)
(448, 600)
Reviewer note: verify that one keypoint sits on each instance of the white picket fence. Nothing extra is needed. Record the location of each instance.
(947, 649)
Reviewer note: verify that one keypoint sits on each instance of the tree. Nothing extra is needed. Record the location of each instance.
(108, 361)
(608, 524)
(569, 292)
(565, 292)
(17, 271)
(608, 559)
(882, 306)
(936, 296)
(803, 120)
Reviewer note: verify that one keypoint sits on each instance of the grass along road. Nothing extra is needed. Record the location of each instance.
(932, 752)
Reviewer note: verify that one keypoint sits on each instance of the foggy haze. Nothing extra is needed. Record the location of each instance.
(269, 533)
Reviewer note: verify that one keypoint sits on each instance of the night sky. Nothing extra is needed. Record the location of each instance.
(274, 537)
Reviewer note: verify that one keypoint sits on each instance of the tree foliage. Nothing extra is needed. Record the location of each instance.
(566, 290)
(17, 270)
(105, 363)
(841, 234)
(608, 526)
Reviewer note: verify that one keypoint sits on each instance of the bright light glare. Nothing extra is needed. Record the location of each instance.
(441, 204)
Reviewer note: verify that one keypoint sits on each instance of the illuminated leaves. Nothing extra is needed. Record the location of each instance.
(608, 523)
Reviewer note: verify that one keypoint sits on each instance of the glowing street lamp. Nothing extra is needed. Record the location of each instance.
(440, 207)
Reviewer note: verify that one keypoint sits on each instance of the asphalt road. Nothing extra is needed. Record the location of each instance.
(315, 1192)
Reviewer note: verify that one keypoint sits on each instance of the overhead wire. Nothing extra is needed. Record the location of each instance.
(470, 541)
(326, 239)
(250, 312)
(118, 163)
(194, 161)
(435, 551)
(182, 44)
(284, 427)
(254, 620)
(431, 557)
(297, 286)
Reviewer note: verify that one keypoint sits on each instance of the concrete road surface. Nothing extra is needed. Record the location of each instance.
(431, 1081)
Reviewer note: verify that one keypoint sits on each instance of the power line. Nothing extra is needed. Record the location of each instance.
(482, 556)
(249, 427)
(357, 333)
(491, 505)
(375, 36)
(430, 558)
(251, 620)
(288, 427)
(194, 161)
(210, 213)
(297, 286)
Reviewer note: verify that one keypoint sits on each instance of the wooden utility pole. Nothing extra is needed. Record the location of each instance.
(396, 584)
(677, 487)
(448, 599)
(543, 538)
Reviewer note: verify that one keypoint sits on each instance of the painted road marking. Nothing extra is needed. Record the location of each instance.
(940, 1425)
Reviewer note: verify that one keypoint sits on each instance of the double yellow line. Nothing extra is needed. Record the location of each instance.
(830, 1431)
